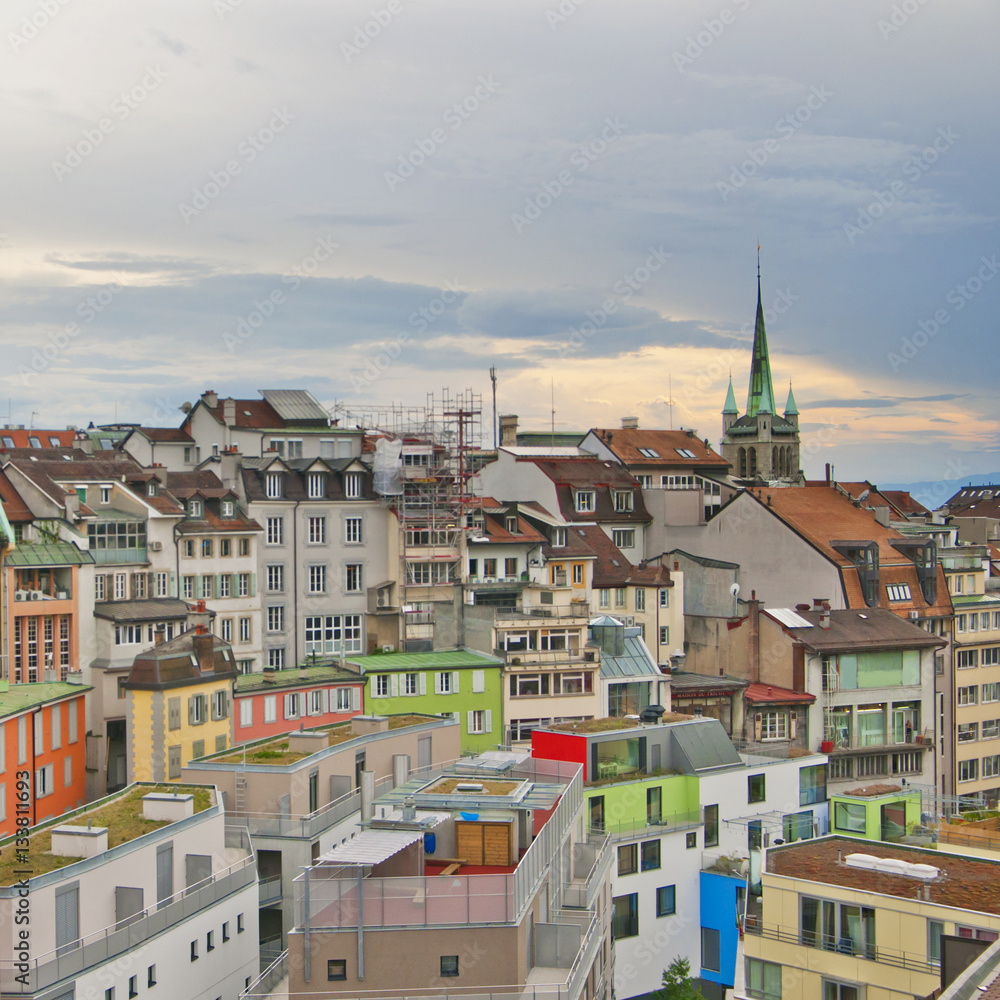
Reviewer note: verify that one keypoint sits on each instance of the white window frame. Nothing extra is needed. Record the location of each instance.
(354, 531)
(352, 485)
(585, 501)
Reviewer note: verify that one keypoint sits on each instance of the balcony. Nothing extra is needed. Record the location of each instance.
(591, 860)
(664, 824)
(72, 961)
(270, 890)
(852, 744)
(547, 657)
(517, 616)
(116, 557)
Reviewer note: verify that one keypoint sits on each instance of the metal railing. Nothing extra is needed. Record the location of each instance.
(668, 821)
(71, 961)
(270, 889)
(264, 984)
(548, 657)
(922, 740)
(522, 611)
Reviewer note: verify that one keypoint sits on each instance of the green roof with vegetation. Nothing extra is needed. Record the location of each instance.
(424, 661)
(19, 698)
(609, 725)
(121, 813)
(293, 677)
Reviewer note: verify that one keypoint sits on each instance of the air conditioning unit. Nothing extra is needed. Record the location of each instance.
(388, 648)
(382, 600)
(20, 595)
(156, 546)
(35, 595)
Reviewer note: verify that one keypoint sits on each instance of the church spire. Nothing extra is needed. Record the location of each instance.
(791, 410)
(730, 406)
(760, 398)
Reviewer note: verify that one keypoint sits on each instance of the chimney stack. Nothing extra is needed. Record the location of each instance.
(204, 649)
(229, 412)
(630, 423)
(210, 398)
(508, 430)
(160, 634)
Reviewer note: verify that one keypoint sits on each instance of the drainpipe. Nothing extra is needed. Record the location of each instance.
(361, 923)
(295, 585)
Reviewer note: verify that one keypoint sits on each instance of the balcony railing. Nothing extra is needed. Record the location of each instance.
(666, 822)
(270, 890)
(853, 744)
(547, 657)
(522, 612)
(119, 556)
(71, 961)
(264, 985)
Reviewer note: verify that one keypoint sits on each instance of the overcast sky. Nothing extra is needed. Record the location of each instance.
(375, 200)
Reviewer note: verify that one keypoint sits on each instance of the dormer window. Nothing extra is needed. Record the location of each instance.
(584, 501)
(512, 524)
(273, 485)
(623, 501)
(54, 442)
(559, 538)
(35, 442)
(105, 494)
(352, 485)
(151, 489)
(194, 508)
(228, 508)
(316, 485)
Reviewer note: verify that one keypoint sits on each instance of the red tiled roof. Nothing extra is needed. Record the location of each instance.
(251, 414)
(166, 434)
(14, 507)
(21, 438)
(770, 694)
(613, 568)
(625, 443)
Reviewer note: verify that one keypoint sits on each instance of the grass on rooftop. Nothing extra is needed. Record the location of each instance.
(609, 725)
(447, 785)
(123, 818)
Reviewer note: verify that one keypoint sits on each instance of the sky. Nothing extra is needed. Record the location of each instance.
(382, 199)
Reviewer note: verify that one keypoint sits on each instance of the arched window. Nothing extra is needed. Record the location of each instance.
(751, 461)
(775, 461)
(741, 457)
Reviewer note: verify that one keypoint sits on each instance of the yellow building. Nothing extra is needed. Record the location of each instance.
(179, 704)
(863, 920)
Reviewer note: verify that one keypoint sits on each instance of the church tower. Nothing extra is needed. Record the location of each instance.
(762, 445)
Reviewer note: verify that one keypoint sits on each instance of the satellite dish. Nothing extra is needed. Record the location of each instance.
(735, 590)
(864, 496)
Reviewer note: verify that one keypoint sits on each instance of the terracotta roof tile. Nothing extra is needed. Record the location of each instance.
(625, 443)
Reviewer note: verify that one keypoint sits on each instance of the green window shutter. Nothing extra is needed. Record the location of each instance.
(253, 584)
(489, 721)
(455, 674)
(423, 683)
(172, 584)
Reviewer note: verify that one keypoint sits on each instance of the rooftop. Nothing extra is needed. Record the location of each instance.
(121, 813)
(964, 882)
(190, 658)
(276, 751)
(48, 554)
(423, 661)
(634, 446)
(20, 698)
(612, 724)
(873, 628)
(294, 677)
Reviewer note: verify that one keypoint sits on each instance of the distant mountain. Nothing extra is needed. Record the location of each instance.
(933, 494)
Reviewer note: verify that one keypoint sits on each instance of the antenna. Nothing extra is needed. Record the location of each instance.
(493, 379)
(552, 390)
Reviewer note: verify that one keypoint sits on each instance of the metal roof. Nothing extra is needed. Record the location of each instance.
(294, 405)
(788, 617)
(495, 760)
(372, 847)
(705, 744)
(635, 661)
(48, 554)
(152, 609)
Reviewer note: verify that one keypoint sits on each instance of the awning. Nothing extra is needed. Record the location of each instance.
(371, 847)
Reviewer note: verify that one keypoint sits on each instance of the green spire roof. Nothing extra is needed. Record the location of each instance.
(791, 410)
(730, 406)
(760, 398)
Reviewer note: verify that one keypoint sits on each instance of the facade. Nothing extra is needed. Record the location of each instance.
(762, 445)
(160, 865)
(301, 795)
(498, 885)
(179, 704)
(42, 734)
(280, 701)
(461, 683)
(885, 812)
(631, 680)
(849, 921)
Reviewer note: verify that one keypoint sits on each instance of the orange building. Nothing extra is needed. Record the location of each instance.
(43, 730)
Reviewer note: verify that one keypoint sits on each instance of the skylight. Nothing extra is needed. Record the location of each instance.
(685, 453)
(649, 452)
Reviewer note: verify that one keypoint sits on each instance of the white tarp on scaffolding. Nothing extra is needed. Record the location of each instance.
(388, 468)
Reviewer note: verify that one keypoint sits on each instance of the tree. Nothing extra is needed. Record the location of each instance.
(677, 982)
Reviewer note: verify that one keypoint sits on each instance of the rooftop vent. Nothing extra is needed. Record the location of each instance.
(892, 866)
(469, 786)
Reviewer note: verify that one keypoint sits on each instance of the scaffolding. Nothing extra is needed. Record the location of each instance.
(424, 473)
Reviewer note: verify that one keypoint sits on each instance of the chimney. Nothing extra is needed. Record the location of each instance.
(753, 614)
(508, 430)
(268, 676)
(630, 423)
(160, 634)
(210, 398)
(824, 618)
(229, 412)
(828, 472)
(204, 649)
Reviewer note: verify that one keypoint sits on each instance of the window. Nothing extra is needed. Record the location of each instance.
(151, 976)
(712, 826)
(479, 721)
(228, 509)
(44, 781)
(654, 804)
(628, 859)
(691, 841)
(666, 900)
(273, 485)
(276, 531)
(292, 705)
(559, 538)
(624, 538)
(584, 501)
(220, 705)
(623, 501)
(352, 582)
(755, 788)
(640, 599)
(968, 732)
(276, 578)
(449, 965)
(276, 657)
(686, 453)
(244, 546)
(188, 588)
(194, 951)
(210, 941)
(578, 573)
(246, 629)
(604, 598)
(990, 657)
(188, 548)
(352, 530)
(991, 729)
(317, 578)
(317, 530)
(968, 770)
(812, 784)
(316, 485)
(225, 585)
(898, 591)
(620, 597)
(336, 969)
(833, 990)
(625, 919)
(650, 860)
(271, 708)
(991, 766)
(935, 930)
(763, 979)
(206, 586)
(664, 598)
(381, 685)
(276, 618)
(194, 508)
(109, 993)
(206, 548)
(968, 695)
(710, 949)
(960, 623)
(239, 924)
(774, 726)
(352, 490)
(967, 658)
(246, 713)
(225, 547)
